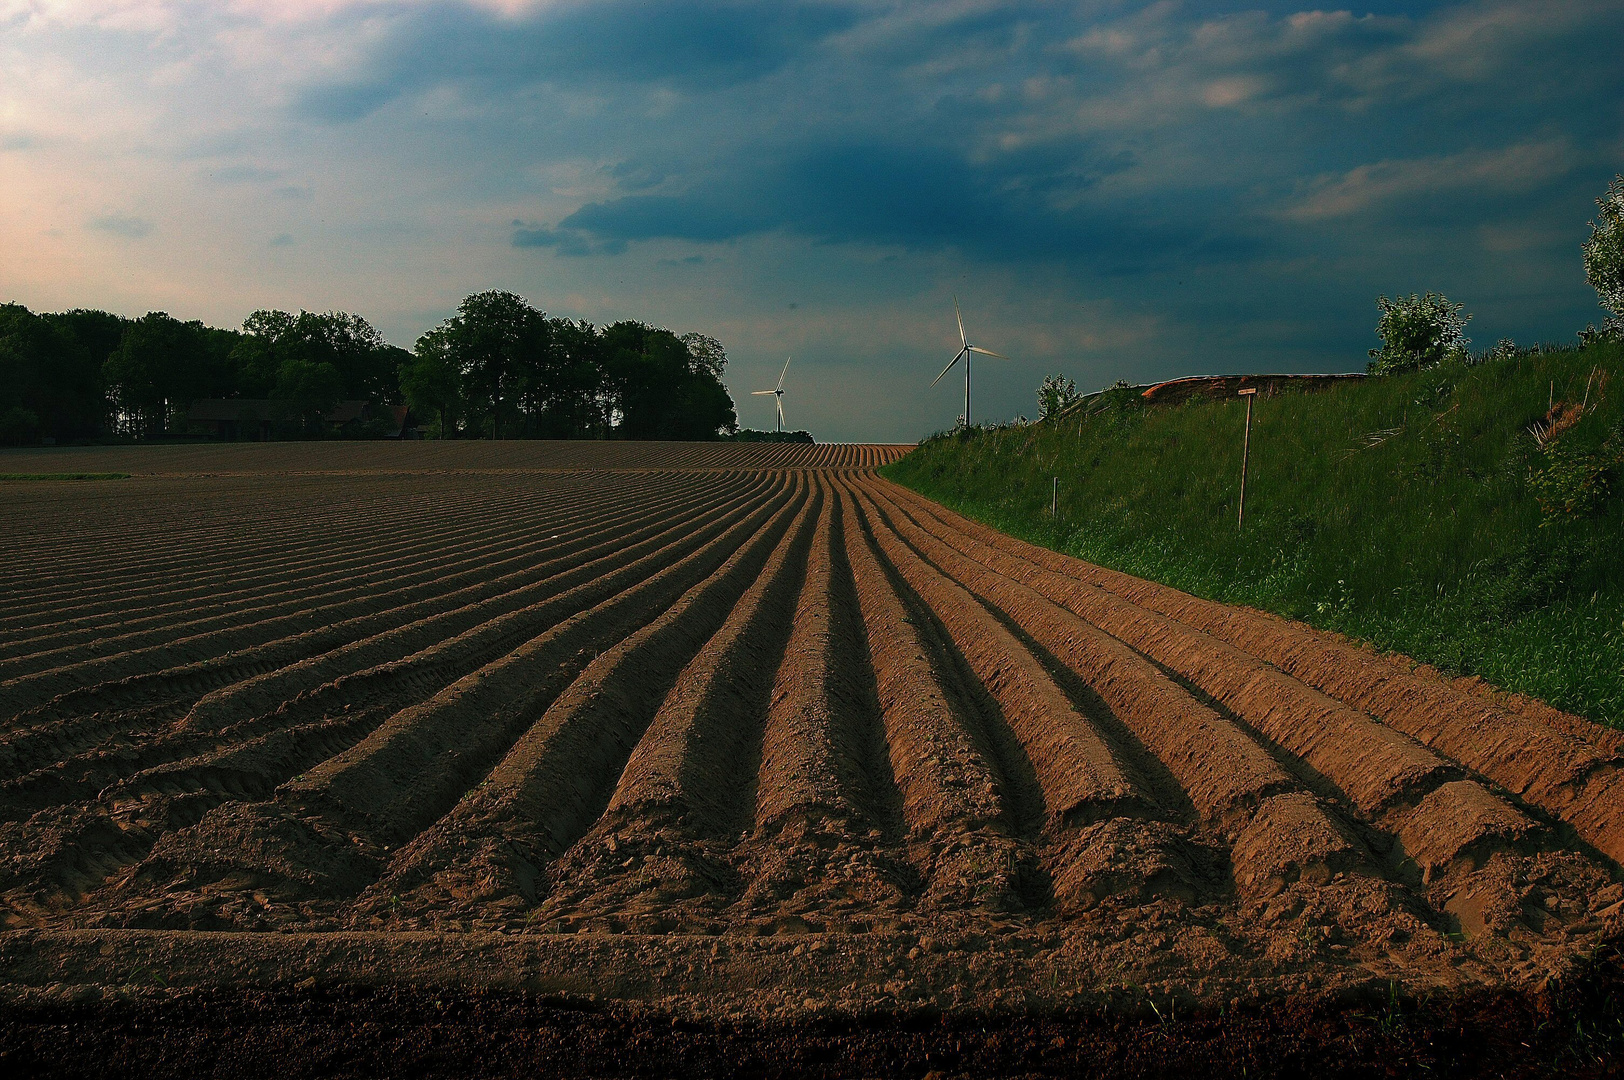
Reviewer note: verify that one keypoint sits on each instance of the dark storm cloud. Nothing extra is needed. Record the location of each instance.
(911, 197)
(689, 46)
(992, 129)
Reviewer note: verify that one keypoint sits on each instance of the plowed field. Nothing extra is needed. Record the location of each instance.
(733, 731)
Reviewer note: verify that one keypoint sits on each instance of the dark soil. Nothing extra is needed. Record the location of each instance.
(364, 1032)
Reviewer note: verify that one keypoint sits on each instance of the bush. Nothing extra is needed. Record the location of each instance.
(19, 426)
(1604, 251)
(1055, 393)
(1575, 483)
(1418, 331)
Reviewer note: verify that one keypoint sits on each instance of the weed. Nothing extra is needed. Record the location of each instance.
(1390, 1016)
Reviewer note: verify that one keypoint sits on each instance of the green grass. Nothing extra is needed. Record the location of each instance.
(1401, 510)
(65, 476)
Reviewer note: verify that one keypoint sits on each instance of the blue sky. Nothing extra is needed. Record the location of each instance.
(1113, 190)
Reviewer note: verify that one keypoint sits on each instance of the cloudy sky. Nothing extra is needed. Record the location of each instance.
(1112, 189)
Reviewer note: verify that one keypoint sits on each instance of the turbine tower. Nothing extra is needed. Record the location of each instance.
(778, 394)
(964, 354)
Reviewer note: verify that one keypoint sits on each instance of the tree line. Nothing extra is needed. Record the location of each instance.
(498, 368)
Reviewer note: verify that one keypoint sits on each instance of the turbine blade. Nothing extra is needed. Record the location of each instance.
(780, 412)
(781, 374)
(949, 366)
(987, 352)
(758, 393)
(963, 340)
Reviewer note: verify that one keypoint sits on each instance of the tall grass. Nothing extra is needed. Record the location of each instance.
(1399, 510)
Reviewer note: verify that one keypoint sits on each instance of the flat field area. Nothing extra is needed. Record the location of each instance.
(736, 735)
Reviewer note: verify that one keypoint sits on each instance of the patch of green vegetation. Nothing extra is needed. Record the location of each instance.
(1469, 516)
(65, 476)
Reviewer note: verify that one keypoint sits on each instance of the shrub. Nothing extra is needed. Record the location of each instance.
(1575, 483)
(19, 426)
(1604, 251)
(1418, 331)
(1055, 393)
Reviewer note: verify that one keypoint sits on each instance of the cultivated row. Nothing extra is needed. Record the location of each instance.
(751, 701)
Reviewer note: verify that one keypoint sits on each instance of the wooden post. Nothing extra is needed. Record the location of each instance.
(1246, 452)
(1054, 501)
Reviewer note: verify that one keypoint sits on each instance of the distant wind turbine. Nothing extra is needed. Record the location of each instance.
(778, 394)
(964, 354)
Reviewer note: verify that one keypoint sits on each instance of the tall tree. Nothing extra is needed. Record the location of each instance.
(366, 365)
(659, 389)
(50, 373)
(432, 381)
(160, 367)
(493, 337)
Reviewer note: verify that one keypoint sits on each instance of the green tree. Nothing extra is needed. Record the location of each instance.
(705, 354)
(50, 377)
(656, 388)
(493, 338)
(1054, 394)
(432, 381)
(160, 367)
(307, 391)
(1604, 260)
(1417, 331)
(570, 383)
(367, 367)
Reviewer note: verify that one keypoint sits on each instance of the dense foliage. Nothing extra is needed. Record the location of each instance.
(1417, 332)
(1470, 515)
(1054, 394)
(1604, 258)
(499, 368)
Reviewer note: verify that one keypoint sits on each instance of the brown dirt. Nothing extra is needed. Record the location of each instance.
(746, 739)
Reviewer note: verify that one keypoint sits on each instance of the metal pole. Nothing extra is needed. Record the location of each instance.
(1246, 454)
(1054, 501)
(966, 388)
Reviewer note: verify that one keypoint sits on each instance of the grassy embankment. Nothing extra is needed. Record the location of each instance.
(1405, 510)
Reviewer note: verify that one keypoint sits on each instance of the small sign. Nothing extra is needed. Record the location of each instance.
(1247, 391)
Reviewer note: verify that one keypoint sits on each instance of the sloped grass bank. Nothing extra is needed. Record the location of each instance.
(1420, 512)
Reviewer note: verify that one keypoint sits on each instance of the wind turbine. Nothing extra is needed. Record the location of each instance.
(964, 354)
(778, 394)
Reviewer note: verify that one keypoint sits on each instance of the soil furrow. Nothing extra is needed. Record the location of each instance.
(697, 762)
(204, 677)
(559, 776)
(1221, 770)
(327, 835)
(485, 623)
(824, 846)
(1560, 764)
(613, 698)
(20, 693)
(188, 557)
(1081, 780)
(358, 575)
(951, 798)
(1375, 766)
(220, 565)
(417, 685)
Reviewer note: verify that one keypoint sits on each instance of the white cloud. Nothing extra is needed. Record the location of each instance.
(1518, 168)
